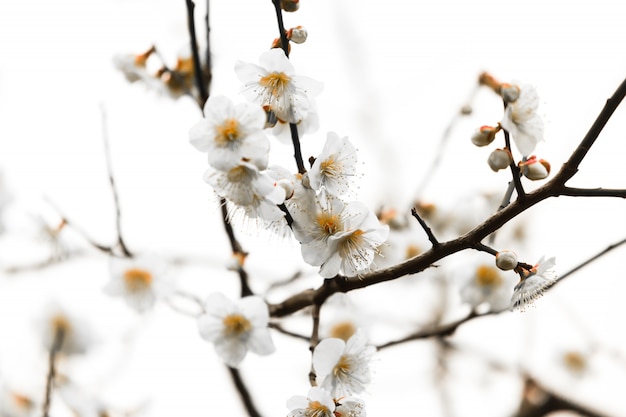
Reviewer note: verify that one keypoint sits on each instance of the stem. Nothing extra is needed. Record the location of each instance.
(429, 232)
(197, 67)
(515, 171)
(243, 392)
(315, 315)
(54, 349)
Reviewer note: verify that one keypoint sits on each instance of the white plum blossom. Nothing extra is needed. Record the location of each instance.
(140, 281)
(350, 407)
(235, 328)
(340, 238)
(335, 166)
(309, 124)
(522, 121)
(487, 286)
(538, 279)
(249, 189)
(317, 403)
(344, 366)
(230, 132)
(275, 85)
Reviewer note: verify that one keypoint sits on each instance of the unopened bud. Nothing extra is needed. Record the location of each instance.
(488, 80)
(297, 34)
(509, 92)
(290, 5)
(535, 169)
(286, 185)
(506, 260)
(484, 135)
(499, 159)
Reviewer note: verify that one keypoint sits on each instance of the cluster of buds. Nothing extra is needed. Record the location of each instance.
(521, 122)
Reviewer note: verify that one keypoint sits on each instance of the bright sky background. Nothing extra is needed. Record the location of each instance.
(394, 73)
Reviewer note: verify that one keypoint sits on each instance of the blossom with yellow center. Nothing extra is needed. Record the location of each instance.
(343, 366)
(275, 85)
(335, 167)
(137, 279)
(317, 403)
(235, 328)
(230, 132)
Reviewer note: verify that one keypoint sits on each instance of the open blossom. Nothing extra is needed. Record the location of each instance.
(487, 285)
(234, 328)
(317, 403)
(340, 237)
(230, 132)
(249, 189)
(523, 122)
(275, 84)
(350, 407)
(139, 281)
(309, 124)
(335, 166)
(344, 366)
(539, 278)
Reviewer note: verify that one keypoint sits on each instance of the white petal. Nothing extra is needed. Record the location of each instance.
(275, 60)
(326, 355)
(260, 342)
(211, 328)
(254, 310)
(218, 305)
(231, 351)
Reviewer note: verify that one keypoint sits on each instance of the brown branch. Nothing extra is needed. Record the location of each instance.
(197, 67)
(429, 232)
(315, 315)
(243, 392)
(593, 192)
(552, 188)
(54, 349)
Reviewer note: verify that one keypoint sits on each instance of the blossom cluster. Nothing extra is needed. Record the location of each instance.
(338, 236)
(524, 125)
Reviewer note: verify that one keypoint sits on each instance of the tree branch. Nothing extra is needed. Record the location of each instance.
(552, 188)
(243, 392)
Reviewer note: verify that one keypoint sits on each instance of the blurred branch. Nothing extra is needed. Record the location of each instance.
(243, 392)
(107, 155)
(553, 188)
(54, 349)
(315, 315)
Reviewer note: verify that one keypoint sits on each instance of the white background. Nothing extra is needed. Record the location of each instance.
(394, 74)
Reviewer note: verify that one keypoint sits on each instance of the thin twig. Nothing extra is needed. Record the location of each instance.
(244, 394)
(315, 315)
(116, 200)
(429, 232)
(54, 349)
(197, 67)
(515, 171)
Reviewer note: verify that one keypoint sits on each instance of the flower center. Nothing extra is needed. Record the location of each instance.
(329, 223)
(276, 82)
(227, 132)
(343, 367)
(60, 324)
(237, 174)
(575, 361)
(487, 276)
(137, 279)
(331, 167)
(317, 409)
(236, 325)
(343, 330)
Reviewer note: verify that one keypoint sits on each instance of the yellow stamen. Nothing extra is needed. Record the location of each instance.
(276, 82)
(487, 276)
(343, 366)
(236, 324)
(331, 167)
(317, 409)
(329, 223)
(137, 279)
(237, 174)
(227, 132)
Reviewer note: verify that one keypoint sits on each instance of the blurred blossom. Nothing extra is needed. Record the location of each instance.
(235, 328)
(317, 403)
(64, 332)
(139, 281)
(487, 285)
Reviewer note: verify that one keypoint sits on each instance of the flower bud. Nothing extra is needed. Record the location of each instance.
(286, 185)
(506, 260)
(297, 34)
(484, 135)
(509, 92)
(290, 5)
(277, 44)
(499, 159)
(535, 169)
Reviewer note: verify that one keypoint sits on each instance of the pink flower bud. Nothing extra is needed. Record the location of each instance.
(297, 34)
(484, 135)
(499, 159)
(535, 169)
(506, 260)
